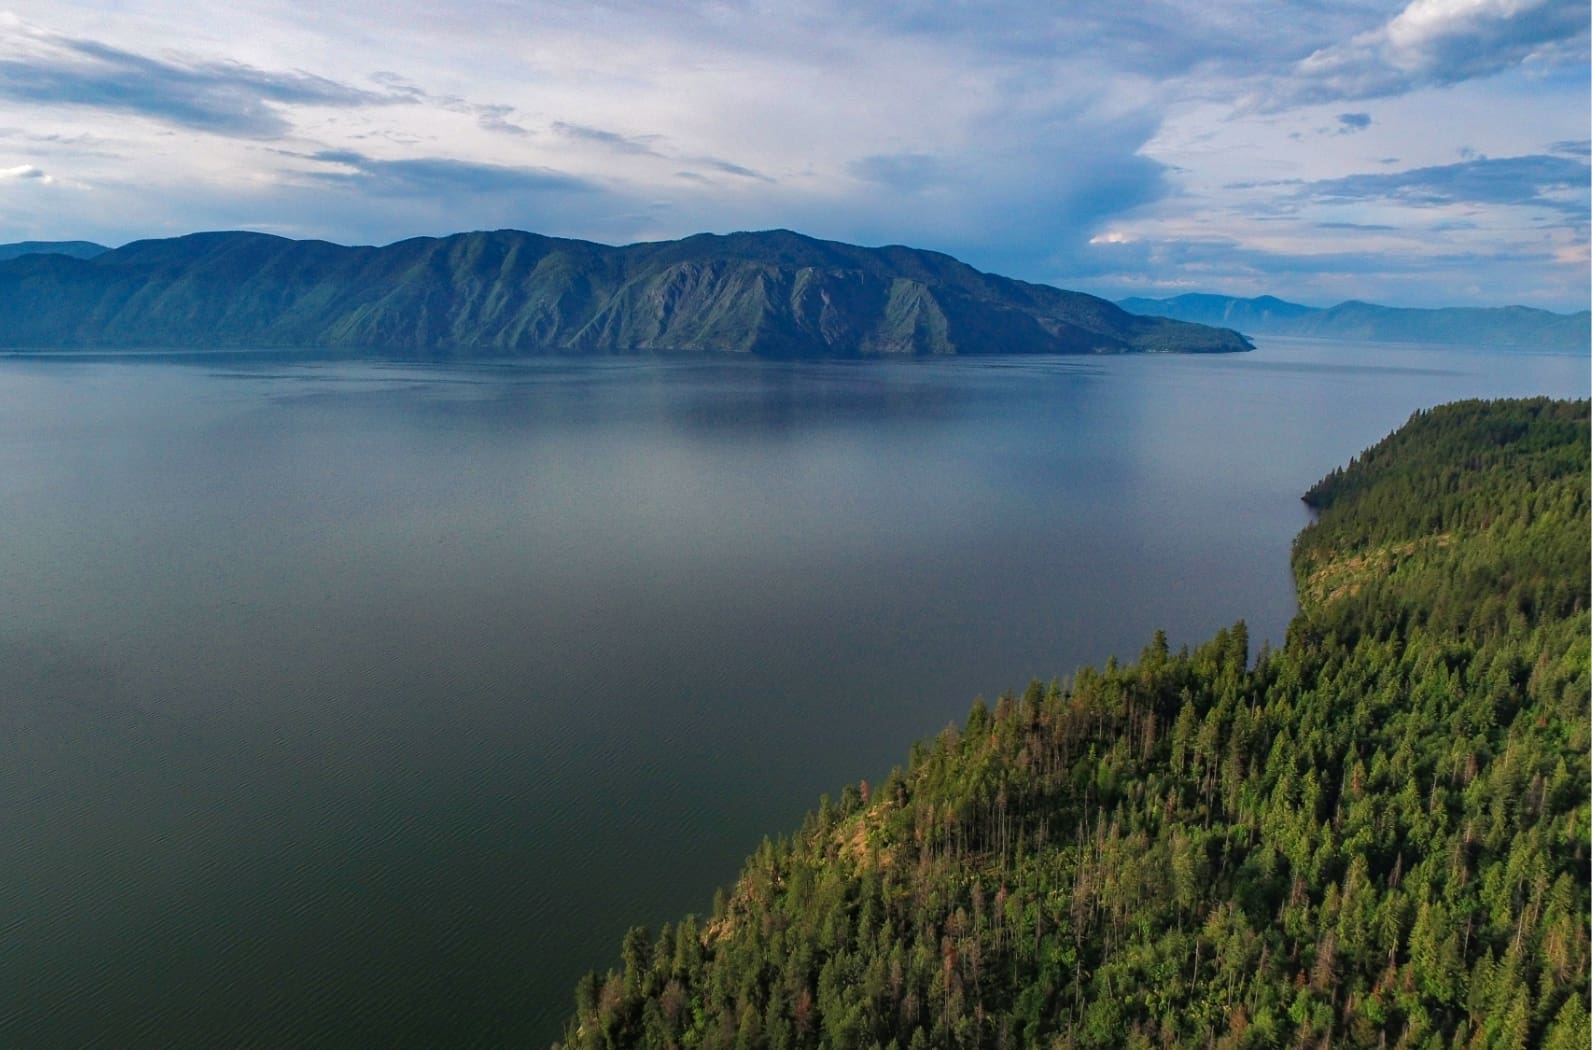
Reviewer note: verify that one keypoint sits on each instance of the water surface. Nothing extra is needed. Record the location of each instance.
(366, 704)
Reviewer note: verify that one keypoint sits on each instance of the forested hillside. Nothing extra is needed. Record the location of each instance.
(1375, 835)
(507, 292)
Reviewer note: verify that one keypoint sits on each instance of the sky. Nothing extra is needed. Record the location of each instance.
(1430, 153)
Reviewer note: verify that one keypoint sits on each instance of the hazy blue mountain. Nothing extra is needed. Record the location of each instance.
(76, 249)
(1253, 315)
(773, 293)
(1502, 326)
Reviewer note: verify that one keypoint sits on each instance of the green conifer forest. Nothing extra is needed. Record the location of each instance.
(1374, 835)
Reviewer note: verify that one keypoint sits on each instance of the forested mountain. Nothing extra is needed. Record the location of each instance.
(1376, 835)
(776, 293)
(1502, 326)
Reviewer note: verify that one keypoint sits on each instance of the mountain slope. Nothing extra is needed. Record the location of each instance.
(1504, 326)
(776, 293)
(1374, 836)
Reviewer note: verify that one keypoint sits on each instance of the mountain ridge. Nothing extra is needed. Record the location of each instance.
(771, 293)
(1500, 326)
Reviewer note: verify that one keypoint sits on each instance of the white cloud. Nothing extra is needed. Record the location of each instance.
(1439, 42)
(27, 171)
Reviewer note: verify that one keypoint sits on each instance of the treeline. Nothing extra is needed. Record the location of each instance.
(1500, 475)
(1374, 836)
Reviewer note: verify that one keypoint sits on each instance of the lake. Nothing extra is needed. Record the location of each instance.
(359, 704)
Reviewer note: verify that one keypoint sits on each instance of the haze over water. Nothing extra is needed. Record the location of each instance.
(368, 704)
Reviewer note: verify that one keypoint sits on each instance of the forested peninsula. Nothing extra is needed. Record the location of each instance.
(773, 294)
(1374, 835)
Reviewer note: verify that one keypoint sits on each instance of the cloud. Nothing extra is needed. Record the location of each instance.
(496, 118)
(439, 176)
(1030, 194)
(1540, 180)
(1156, 38)
(1438, 42)
(27, 171)
(1261, 184)
(1572, 148)
(729, 168)
(226, 98)
(1351, 122)
(398, 86)
(1231, 258)
(651, 146)
(908, 172)
(635, 146)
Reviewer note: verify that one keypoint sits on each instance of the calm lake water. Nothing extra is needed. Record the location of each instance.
(348, 704)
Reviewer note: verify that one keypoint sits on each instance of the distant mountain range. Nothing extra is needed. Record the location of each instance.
(1504, 326)
(76, 249)
(776, 294)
